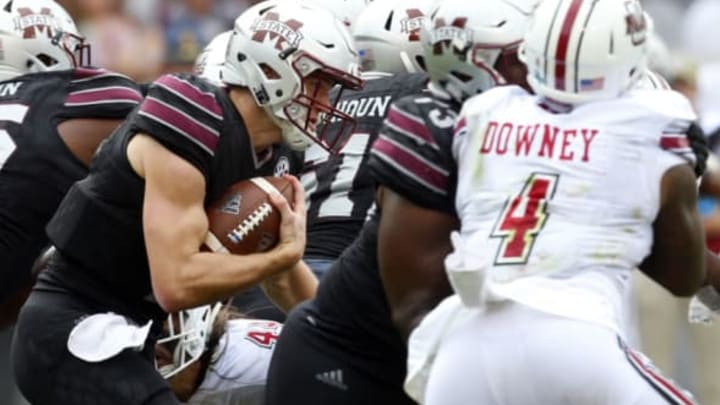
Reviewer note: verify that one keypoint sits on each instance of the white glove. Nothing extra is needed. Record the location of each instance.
(704, 306)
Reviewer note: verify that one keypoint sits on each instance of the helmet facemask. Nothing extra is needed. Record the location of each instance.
(311, 111)
(188, 334)
(79, 52)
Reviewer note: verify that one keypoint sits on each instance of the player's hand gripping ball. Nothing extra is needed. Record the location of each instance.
(243, 220)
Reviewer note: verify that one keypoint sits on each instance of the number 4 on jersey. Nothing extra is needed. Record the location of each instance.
(523, 218)
(264, 334)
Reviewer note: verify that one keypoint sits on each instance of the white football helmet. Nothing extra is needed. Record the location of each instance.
(188, 334)
(38, 36)
(472, 46)
(584, 50)
(208, 64)
(274, 50)
(387, 35)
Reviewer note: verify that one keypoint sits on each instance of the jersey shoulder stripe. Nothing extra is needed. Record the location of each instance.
(412, 155)
(182, 123)
(103, 95)
(194, 95)
(411, 164)
(186, 108)
(410, 125)
(85, 74)
(99, 93)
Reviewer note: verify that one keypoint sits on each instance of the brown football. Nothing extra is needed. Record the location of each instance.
(243, 220)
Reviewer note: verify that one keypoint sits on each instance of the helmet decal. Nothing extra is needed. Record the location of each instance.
(33, 24)
(561, 51)
(271, 26)
(444, 35)
(583, 50)
(412, 24)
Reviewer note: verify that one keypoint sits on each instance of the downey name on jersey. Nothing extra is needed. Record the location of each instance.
(539, 140)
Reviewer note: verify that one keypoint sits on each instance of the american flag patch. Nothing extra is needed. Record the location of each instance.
(592, 84)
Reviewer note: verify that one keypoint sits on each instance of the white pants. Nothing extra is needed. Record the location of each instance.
(513, 355)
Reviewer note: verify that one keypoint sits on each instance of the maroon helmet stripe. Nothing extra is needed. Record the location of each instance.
(564, 42)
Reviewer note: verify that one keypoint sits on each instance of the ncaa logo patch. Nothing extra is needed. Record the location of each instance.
(282, 167)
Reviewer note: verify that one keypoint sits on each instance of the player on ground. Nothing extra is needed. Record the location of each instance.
(560, 196)
(129, 235)
(214, 355)
(54, 115)
(351, 351)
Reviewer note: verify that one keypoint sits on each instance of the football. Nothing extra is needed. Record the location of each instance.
(243, 220)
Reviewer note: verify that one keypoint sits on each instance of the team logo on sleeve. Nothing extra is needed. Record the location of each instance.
(413, 23)
(284, 31)
(33, 24)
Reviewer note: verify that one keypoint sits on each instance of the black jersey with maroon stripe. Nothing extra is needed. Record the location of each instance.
(413, 154)
(98, 226)
(340, 189)
(413, 157)
(36, 167)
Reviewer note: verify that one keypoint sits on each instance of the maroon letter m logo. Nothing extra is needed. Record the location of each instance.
(443, 34)
(33, 23)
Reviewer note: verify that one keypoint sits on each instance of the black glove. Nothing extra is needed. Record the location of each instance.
(699, 144)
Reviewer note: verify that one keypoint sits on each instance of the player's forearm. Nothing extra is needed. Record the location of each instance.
(209, 277)
(287, 289)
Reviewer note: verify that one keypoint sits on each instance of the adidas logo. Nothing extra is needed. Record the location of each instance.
(334, 378)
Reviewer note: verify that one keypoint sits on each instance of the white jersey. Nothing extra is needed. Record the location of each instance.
(241, 360)
(557, 209)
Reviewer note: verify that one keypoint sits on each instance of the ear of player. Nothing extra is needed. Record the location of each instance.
(243, 220)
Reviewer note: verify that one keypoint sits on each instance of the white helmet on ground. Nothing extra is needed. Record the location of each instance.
(387, 35)
(38, 36)
(210, 61)
(188, 335)
(584, 50)
(472, 46)
(274, 52)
